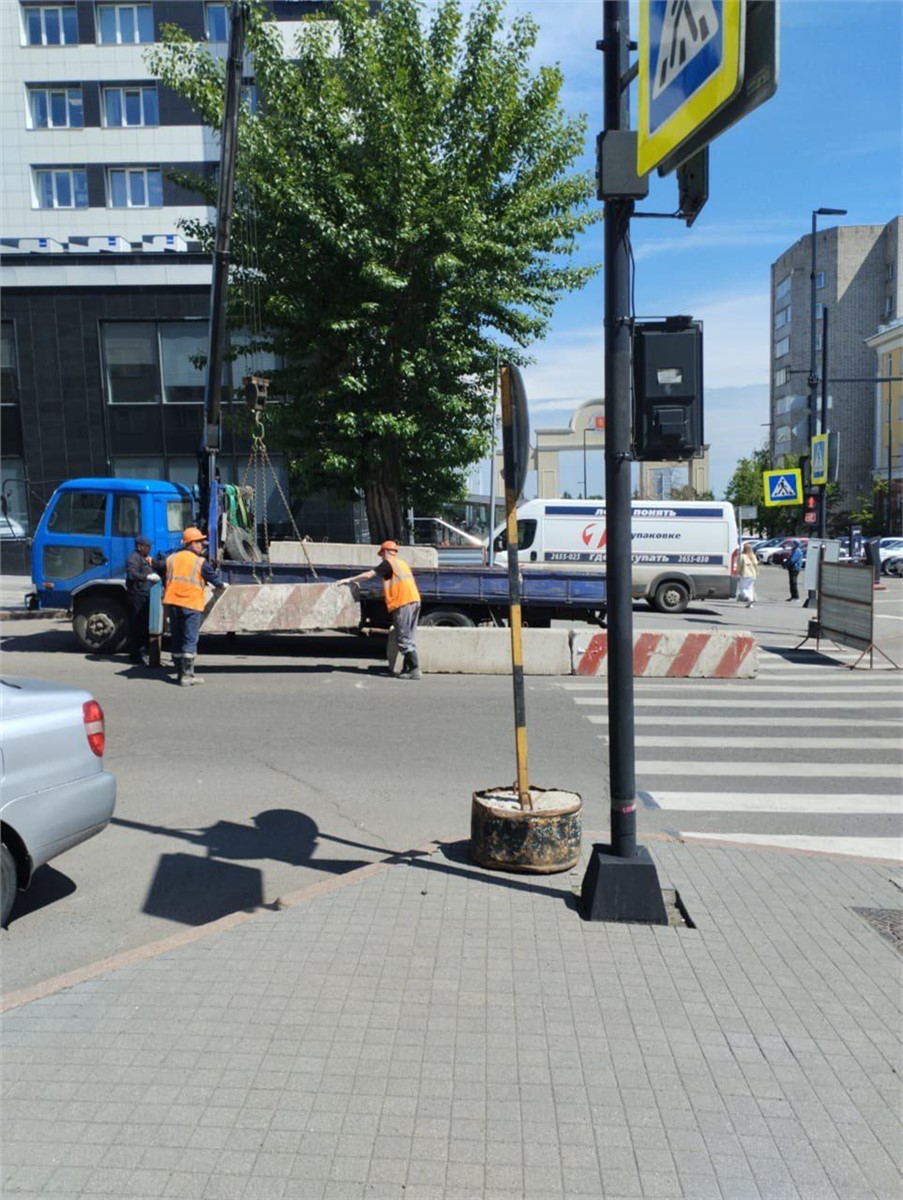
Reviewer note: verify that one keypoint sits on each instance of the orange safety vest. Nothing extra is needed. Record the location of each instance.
(401, 588)
(184, 583)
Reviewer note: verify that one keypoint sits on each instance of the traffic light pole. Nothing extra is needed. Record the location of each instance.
(621, 883)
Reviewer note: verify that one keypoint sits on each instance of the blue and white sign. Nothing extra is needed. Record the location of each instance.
(691, 65)
(783, 487)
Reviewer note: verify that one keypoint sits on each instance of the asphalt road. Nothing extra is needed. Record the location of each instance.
(299, 759)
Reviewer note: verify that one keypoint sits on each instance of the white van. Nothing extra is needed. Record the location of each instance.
(683, 550)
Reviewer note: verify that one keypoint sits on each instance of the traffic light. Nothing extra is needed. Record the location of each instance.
(810, 509)
(667, 389)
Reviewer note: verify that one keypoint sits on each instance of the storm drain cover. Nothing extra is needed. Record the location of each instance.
(886, 921)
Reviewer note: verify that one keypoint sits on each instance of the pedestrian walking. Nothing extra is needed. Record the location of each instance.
(402, 600)
(747, 571)
(187, 574)
(792, 564)
(139, 575)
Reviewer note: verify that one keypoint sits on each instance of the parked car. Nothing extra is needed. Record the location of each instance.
(55, 792)
(888, 548)
(780, 555)
(765, 549)
(893, 566)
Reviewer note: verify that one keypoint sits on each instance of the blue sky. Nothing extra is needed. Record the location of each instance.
(829, 137)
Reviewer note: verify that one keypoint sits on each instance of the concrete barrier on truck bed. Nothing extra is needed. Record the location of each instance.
(281, 607)
(674, 654)
(488, 651)
(347, 554)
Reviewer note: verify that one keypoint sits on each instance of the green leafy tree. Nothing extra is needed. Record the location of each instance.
(406, 209)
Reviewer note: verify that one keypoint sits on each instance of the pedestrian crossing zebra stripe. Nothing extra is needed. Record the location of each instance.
(890, 848)
(789, 803)
(720, 741)
(787, 708)
(805, 770)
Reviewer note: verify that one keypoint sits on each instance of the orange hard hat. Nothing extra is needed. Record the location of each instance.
(192, 534)
(388, 546)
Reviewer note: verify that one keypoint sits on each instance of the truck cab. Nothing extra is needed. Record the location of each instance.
(82, 543)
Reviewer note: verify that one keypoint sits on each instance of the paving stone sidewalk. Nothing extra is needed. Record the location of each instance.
(437, 1031)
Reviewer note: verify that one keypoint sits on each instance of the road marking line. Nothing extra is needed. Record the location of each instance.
(735, 689)
(780, 722)
(884, 848)
(793, 706)
(779, 743)
(808, 770)
(778, 802)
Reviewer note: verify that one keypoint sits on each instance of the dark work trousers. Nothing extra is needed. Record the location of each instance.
(184, 628)
(139, 614)
(405, 621)
(794, 590)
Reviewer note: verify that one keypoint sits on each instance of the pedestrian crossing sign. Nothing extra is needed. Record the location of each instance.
(782, 487)
(690, 66)
(818, 461)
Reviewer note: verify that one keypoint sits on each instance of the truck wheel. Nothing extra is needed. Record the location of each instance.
(448, 618)
(101, 625)
(671, 597)
(8, 883)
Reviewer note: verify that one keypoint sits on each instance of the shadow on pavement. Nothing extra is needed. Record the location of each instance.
(194, 889)
(48, 886)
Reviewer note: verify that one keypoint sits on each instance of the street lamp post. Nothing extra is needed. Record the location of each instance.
(585, 484)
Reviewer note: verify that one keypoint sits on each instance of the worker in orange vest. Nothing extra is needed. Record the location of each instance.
(187, 574)
(402, 601)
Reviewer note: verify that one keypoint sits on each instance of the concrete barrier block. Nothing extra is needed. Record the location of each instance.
(487, 651)
(282, 607)
(347, 554)
(674, 654)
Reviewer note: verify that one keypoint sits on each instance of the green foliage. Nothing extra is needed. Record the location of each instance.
(405, 211)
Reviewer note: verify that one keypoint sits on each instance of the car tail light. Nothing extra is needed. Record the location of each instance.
(93, 718)
(734, 562)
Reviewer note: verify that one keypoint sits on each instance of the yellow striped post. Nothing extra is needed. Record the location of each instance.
(514, 620)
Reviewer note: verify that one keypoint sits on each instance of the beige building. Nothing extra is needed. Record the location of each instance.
(887, 345)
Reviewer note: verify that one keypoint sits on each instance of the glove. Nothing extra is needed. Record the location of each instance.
(153, 577)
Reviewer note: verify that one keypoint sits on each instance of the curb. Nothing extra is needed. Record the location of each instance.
(27, 614)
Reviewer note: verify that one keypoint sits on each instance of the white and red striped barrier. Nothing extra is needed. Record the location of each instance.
(285, 607)
(674, 654)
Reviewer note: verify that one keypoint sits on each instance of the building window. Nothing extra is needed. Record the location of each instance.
(782, 318)
(889, 270)
(130, 106)
(124, 24)
(783, 288)
(217, 22)
(56, 108)
(818, 340)
(180, 344)
(249, 95)
(51, 26)
(781, 376)
(820, 279)
(819, 311)
(61, 188)
(888, 306)
(135, 187)
(130, 361)
(782, 347)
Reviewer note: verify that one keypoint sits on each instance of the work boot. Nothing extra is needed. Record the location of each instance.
(411, 666)
(180, 671)
(190, 678)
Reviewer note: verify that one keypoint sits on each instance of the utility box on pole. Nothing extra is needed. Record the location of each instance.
(667, 389)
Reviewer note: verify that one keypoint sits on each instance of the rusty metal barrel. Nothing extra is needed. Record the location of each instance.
(542, 839)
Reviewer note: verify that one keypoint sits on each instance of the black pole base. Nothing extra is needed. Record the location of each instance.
(622, 889)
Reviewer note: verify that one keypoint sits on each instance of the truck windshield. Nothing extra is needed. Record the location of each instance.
(79, 513)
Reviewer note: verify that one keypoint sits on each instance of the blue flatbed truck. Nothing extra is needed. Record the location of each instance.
(88, 531)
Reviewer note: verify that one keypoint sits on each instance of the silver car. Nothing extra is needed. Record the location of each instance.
(54, 792)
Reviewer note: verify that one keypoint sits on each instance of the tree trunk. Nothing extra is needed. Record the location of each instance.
(384, 513)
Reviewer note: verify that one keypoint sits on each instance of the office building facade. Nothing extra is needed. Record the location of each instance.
(858, 282)
(105, 300)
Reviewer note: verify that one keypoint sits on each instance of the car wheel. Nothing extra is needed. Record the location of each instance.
(671, 597)
(101, 625)
(8, 883)
(448, 618)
